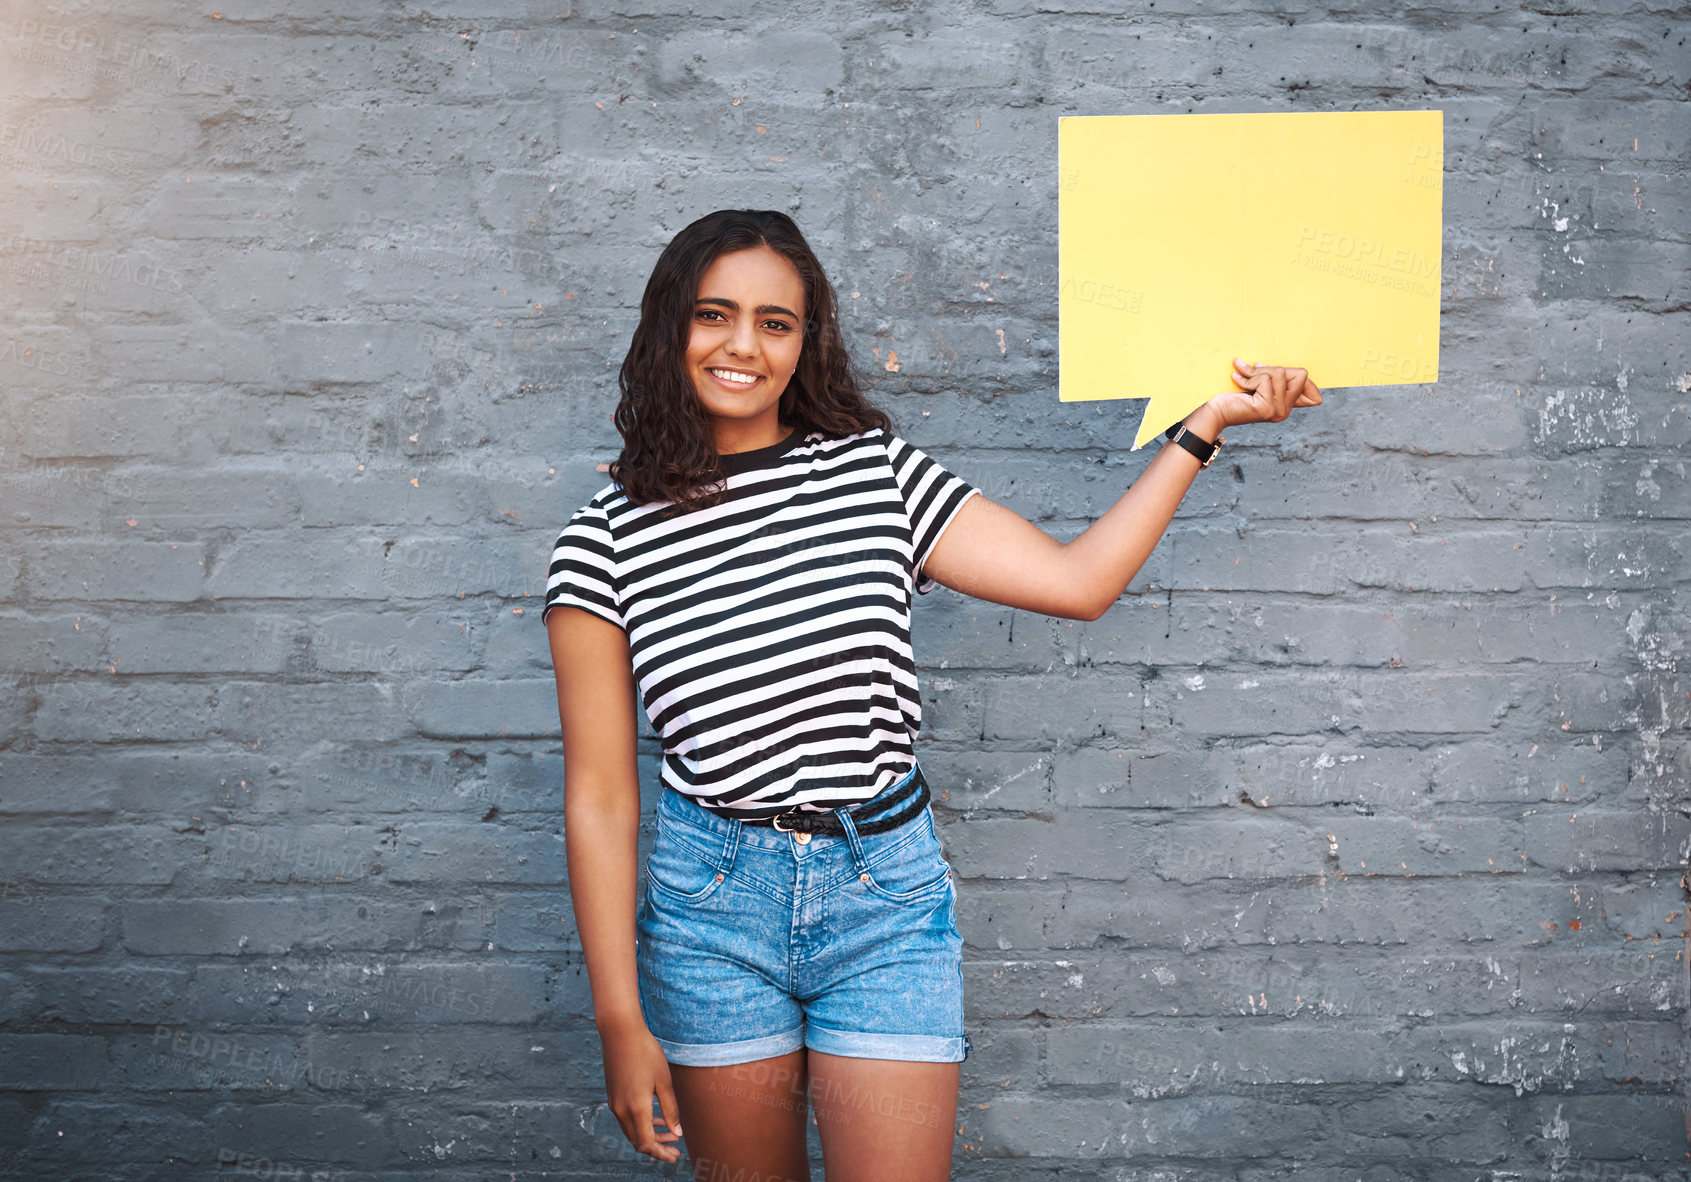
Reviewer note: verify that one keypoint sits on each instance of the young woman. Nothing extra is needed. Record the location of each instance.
(751, 569)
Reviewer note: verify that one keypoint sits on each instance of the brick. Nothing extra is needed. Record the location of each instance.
(461, 710)
(966, 781)
(46, 646)
(283, 922)
(336, 353)
(52, 1062)
(1024, 1126)
(317, 1131)
(1544, 557)
(1618, 1134)
(83, 995)
(146, 780)
(429, 853)
(425, 492)
(1312, 985)
(353, 991)
(1154, 1061)
(190, 711)
(430, 1058)
(147, 572)
(1580, 267)
(14, 1125)
(219, 642)
(245, 497)
(64, 854)
(171, 354)
(80, 1130)
(344, 567)
(30, 921)
(974, 634)
(55, 495)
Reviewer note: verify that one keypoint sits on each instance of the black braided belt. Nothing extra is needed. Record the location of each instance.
(903, 805)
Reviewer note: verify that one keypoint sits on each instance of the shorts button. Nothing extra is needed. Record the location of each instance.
(864, 877)
(719, 878)
(804, 838)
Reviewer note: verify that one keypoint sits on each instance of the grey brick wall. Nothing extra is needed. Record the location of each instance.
(1347, 845)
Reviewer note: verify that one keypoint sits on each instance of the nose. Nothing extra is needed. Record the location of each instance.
(742, 342)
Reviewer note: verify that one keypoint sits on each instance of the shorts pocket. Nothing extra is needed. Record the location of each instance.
(912, 872)
(680, 871)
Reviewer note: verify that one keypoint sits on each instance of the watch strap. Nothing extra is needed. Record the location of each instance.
(1202, 450)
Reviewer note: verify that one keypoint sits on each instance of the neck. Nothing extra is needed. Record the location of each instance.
(736, 437)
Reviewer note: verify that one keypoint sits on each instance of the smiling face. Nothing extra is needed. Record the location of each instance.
(747, 330)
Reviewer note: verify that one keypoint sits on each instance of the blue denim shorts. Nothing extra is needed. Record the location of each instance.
(752, 943)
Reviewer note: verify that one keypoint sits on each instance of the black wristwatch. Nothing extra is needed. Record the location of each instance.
(1205, 453)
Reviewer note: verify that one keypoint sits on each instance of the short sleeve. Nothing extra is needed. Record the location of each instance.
(583, 568)
(932, 497)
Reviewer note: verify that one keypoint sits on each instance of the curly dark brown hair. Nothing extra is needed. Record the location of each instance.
(668, 448)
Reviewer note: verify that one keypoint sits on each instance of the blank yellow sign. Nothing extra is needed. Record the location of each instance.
(1183, 241)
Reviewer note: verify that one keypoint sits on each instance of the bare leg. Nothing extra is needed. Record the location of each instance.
(884, 1120)
(745, 1121)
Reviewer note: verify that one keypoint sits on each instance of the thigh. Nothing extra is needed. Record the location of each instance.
(746, 1120)
(884, 1120)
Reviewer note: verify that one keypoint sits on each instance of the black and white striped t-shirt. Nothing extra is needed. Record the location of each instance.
(770, 633)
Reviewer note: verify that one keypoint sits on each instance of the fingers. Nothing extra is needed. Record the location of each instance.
(1271, 393)
(671, 1110)
(1294, 382)
(1275, 389)
(638, 1126)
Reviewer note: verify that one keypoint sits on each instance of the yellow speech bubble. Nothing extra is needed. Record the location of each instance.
(1183, 241)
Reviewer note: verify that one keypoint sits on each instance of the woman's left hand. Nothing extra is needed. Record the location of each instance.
(1267, 394)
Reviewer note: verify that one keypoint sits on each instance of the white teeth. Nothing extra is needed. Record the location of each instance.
(737, 379)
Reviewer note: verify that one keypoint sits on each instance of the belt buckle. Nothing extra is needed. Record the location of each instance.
(803, 838)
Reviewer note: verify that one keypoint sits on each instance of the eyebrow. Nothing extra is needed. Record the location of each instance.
(759, 310)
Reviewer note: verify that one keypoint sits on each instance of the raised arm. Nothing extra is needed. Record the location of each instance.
(595, 677)
(995, 553)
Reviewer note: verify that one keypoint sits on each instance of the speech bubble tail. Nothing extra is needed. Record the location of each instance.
(1161, 413)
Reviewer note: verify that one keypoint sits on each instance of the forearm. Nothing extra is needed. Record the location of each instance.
(601, 840)
(1102, 561)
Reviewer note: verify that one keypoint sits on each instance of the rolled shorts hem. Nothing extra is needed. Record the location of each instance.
(910, 1048)
(726, 1054)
